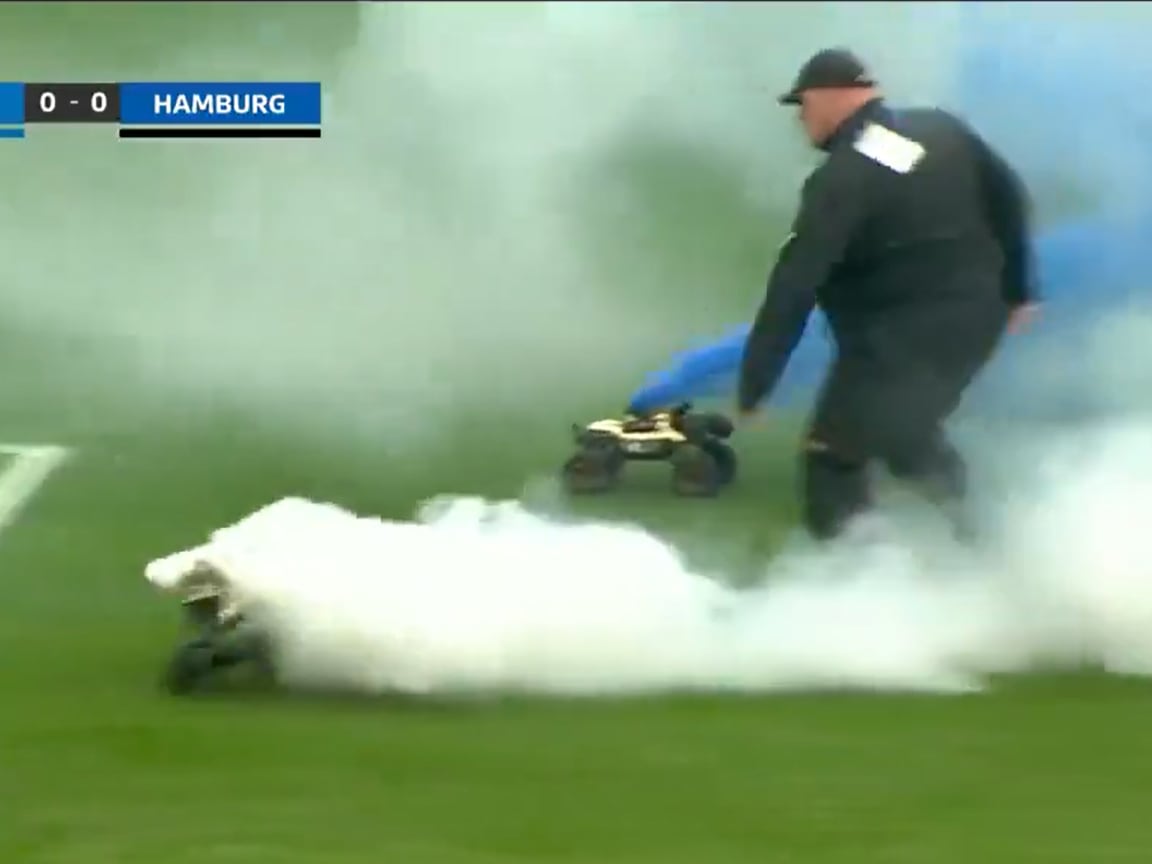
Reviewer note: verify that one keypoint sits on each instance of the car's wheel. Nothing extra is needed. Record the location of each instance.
(246, 646)
(592, 469)
(696, 473)
(719, 426)
(725, 459)
(190, 664)
(700, 427)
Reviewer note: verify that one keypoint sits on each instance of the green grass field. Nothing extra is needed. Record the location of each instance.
(99, 766)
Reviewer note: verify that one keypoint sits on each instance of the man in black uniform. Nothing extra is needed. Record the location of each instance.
(913, 238)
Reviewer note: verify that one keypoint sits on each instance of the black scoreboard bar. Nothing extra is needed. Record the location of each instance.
(72, 103)
(218, 132)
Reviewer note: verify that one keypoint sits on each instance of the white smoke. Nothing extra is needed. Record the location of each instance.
(463, 217)
(476, 596)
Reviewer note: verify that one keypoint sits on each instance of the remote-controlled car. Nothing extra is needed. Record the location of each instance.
(223, 638)
(695, 444)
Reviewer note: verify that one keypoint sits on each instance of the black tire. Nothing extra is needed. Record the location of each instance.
(189, 666)
(246, 646)
(696, 473)
(725, 458)
(593, 469)
(719, 426)
(702, 427)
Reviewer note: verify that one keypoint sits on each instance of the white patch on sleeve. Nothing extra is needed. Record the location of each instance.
(889, 148)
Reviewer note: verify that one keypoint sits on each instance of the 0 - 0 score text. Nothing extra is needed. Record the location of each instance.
(71, 103)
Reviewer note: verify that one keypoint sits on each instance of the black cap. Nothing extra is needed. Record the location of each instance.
(830, 68)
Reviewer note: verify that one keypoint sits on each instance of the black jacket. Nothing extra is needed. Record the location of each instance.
(912, 220)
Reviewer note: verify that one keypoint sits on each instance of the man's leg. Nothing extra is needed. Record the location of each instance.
(836, 487)
(938, 470)
(836, 490)
(953, 344)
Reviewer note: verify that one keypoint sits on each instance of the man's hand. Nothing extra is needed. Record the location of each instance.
(1020, 318)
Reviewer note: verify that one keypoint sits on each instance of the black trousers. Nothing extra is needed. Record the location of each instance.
(837, 489)
(887, 403)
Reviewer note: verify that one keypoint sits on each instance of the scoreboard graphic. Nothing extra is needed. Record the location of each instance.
(167, 109)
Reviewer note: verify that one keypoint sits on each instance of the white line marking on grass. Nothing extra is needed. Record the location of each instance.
(29, 468)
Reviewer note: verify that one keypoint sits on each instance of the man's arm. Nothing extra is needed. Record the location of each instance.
(831, 207)
(1009, 214)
